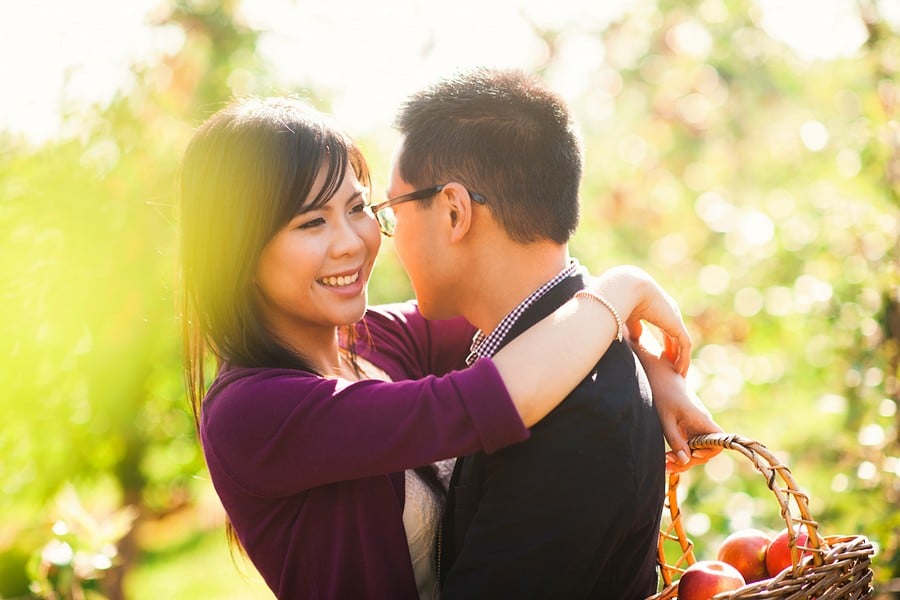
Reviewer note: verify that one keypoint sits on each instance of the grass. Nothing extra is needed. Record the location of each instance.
(199, 568)
(185, 555)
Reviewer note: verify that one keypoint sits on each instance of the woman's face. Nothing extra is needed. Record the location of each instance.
(312, 275)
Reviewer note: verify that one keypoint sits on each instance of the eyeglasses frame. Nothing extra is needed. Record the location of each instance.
(416, 195)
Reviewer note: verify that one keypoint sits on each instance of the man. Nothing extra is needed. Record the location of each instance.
(487, 173)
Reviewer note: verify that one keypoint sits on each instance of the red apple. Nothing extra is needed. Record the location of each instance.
(745, 550)
(706, 578)
(778, 556)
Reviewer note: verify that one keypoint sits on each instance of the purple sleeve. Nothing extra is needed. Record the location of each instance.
(276, 432)
(398, 339)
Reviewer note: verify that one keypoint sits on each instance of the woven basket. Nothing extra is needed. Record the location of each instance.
(836, 568)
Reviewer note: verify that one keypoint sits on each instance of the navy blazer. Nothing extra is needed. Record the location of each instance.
(574, 511)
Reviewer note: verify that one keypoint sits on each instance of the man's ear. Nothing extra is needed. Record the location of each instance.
(459, 210)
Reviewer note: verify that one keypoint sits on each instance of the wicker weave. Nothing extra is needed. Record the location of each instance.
(835, 568)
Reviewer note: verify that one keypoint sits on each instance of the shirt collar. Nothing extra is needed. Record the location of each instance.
(486, 345)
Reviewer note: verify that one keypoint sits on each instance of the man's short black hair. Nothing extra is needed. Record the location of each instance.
(504, 135)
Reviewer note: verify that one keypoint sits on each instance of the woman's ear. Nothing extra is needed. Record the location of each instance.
(459, 210)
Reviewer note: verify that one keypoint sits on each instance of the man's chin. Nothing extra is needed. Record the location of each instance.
(434, 312)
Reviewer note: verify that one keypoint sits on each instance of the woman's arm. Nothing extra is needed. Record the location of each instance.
(541, 366)
(279, 431)
(416, 347)
(399, 340)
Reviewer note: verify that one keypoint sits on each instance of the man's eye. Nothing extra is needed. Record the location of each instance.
(312, 223)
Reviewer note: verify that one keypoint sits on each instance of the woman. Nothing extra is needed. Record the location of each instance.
(306, 442)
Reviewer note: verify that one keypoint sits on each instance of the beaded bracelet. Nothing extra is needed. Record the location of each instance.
(620, 333)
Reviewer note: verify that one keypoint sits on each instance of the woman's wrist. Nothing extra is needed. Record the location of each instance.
(637, 297)
(620, 324)
(620, 286)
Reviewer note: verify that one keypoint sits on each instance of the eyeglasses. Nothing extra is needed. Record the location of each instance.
(384, 212)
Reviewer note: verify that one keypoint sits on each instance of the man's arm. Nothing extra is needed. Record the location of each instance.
(681, 413)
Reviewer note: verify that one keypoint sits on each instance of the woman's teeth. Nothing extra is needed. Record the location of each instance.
(340, 281)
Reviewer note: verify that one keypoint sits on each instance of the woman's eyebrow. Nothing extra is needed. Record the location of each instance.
(326, 206)
(359, 192)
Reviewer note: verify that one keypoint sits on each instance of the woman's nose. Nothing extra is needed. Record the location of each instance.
(346, 240)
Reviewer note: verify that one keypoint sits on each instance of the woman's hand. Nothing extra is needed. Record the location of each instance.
(543, 364)
(637, 297)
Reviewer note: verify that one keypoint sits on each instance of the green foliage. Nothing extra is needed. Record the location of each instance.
(760, 189)
(92, 378)
(83, 548)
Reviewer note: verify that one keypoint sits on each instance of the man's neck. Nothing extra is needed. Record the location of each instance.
(507, 277)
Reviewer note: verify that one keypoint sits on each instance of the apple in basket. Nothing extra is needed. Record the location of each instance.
(706, 578)
(778, 556)
(745, 550)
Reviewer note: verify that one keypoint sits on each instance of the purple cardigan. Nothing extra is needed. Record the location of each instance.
(310, 470)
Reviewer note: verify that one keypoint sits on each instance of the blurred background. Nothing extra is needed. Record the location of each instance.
(745, 153)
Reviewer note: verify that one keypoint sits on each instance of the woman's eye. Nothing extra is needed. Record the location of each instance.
(358, 208)
(312, 223)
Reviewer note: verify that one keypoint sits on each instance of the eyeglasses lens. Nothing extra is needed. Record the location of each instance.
(386, 220)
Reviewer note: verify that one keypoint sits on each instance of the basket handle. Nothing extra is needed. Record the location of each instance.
(775, 474)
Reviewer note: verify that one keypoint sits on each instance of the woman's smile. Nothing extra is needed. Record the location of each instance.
(347, 285)
(339, 280)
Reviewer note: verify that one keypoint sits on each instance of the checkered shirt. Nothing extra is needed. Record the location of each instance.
(485, 346)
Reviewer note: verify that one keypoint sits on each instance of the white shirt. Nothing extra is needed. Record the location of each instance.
(421, 516)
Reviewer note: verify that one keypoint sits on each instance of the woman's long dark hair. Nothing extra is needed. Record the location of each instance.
(247, 171)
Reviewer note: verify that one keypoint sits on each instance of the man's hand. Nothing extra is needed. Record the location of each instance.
(681, 413)
(682, 420)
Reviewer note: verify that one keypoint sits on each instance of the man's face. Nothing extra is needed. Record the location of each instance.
(419, 243)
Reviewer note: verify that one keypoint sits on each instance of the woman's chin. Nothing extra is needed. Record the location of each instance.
(352, 314)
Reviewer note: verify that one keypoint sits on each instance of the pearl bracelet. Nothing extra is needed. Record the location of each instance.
(620, 333)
